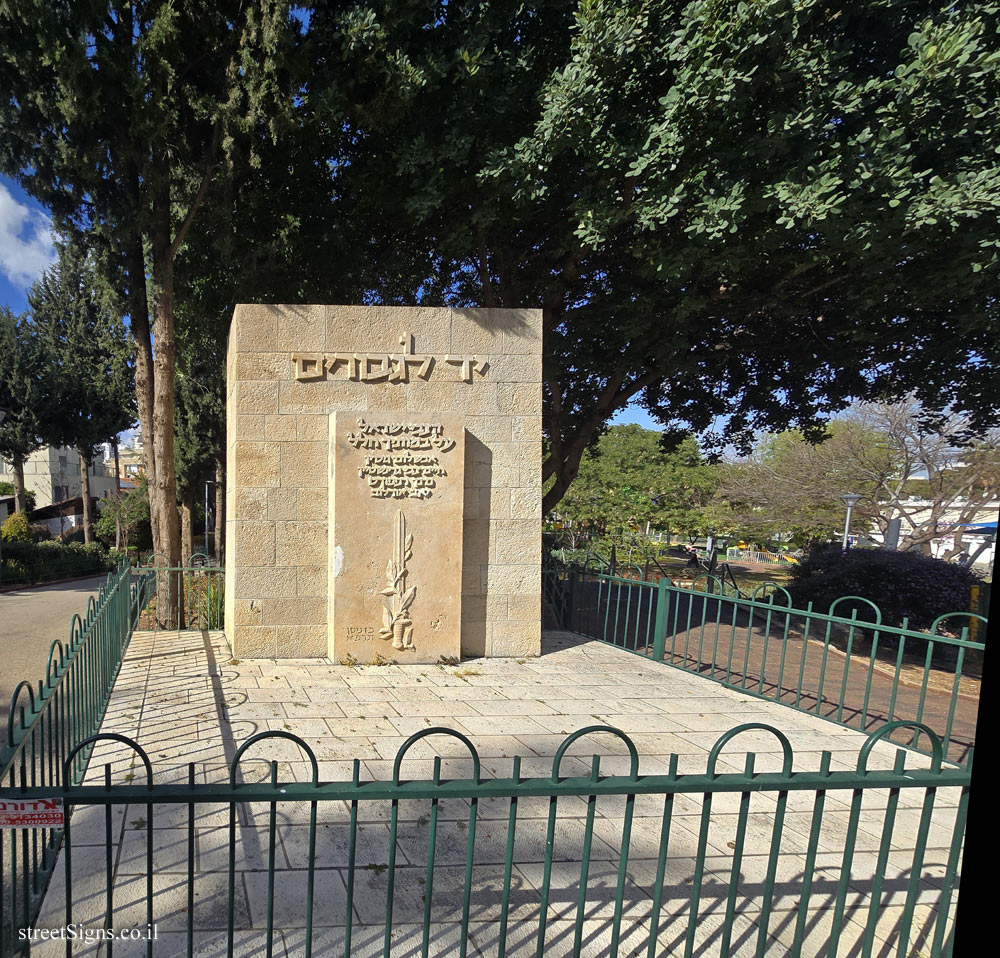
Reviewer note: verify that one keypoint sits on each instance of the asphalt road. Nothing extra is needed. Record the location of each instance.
(29, 620)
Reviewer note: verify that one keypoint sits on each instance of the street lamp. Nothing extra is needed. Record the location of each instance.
(209, 482)
(850, 500)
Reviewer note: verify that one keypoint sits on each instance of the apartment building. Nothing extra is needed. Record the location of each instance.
(53, 474)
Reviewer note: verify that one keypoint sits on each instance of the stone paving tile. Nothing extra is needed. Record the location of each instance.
(405, 941)
(519, 725)
(173, 944)
(302, 708)
(290, 897)
(596, 938)
(170, 895)
(182, 708)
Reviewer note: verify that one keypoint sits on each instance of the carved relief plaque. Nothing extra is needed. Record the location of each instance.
(395, 525)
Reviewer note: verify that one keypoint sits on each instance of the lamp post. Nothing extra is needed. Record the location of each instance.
(208, 482)
(850, 500)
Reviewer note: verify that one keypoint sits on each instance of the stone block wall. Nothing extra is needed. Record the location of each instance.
(278, 473)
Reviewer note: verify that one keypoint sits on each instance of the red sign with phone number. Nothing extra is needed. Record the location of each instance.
(32, 813)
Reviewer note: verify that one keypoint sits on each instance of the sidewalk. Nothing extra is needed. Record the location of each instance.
(184, 699)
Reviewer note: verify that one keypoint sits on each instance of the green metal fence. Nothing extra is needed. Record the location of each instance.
(524, 865)
(647, 869)
(49, 725)
(184, 597)
(842, 665)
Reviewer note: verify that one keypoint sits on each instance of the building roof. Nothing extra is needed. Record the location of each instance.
(68, 507)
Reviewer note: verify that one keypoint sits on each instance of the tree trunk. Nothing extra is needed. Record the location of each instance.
(118, 495)
(118, 477)
(563, 461)
(139, 324)
(187, 534)
(220, 512)
(163, 489)
(20, 500)
(88, 519)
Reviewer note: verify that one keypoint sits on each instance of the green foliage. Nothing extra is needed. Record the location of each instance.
(120, 117)
(24, 388)
(31, 562)
(87, 345)
(7, 489)
(16, 528)
(756, 211)
(627, 480)
(904, 585)
(132, 511)
(205, 600)
(752, 210)
(790, 486)
(200, 407)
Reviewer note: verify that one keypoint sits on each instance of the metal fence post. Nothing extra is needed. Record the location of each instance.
(660, 623)
(974, 606)
(569, 619)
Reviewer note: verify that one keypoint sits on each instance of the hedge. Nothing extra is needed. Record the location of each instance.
(906, 585)
(31, 562)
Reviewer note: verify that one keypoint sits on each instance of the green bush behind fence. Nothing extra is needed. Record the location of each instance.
(28, 563)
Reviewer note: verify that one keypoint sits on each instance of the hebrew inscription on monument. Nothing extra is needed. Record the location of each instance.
(395, 529)
(395, 526)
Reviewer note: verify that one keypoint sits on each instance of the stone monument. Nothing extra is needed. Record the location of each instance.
(383, 497)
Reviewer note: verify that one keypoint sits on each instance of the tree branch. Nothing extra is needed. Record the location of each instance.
(200, 195)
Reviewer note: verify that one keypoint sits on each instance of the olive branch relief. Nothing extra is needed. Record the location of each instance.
(397, 598)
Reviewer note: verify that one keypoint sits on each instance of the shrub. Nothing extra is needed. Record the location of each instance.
(14, 571)
(902, 584)
(43, 561)
(16, 528)
(40, 532)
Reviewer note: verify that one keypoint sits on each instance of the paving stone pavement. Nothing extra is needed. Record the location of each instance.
(184, 699)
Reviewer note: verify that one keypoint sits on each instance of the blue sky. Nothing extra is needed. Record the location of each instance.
(25, 243)
(633, 413)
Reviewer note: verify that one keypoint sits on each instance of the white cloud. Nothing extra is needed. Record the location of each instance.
(25, 241)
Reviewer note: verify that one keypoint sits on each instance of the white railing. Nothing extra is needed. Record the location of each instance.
(753, 555)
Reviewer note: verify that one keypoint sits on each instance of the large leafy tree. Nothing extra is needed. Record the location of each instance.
(120, 116)
(25, 382)
(790, 487)
(90, 357)
(738, 213)
(928, 478)
(713, 203)
(269, 232)
(627, 479)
